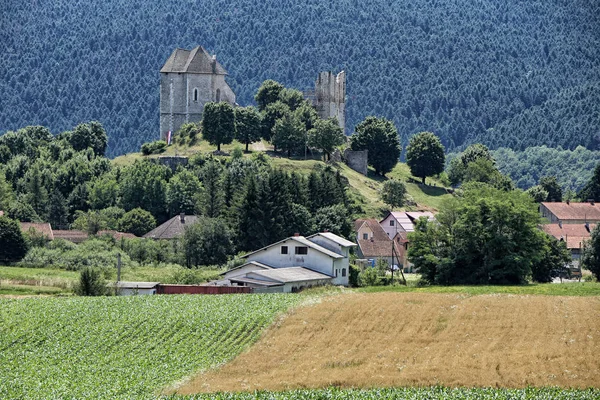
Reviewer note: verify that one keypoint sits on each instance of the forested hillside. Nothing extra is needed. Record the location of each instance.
(512, 74)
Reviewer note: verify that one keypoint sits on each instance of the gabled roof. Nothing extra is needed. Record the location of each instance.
(378, 232)
(172, 228)
(257, 264)
(304, 241)
(70, 235)
(196, 61)
(117, 235)
(573, 234)
(334, 238)
(287, 275)
(375, 248)
(406, 219)
(134, 285)
(40, 227)
(578, 211)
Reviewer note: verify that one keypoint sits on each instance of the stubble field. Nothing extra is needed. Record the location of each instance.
(416, 339)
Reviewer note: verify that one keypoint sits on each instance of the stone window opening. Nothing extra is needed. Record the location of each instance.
(195, 95)
(218, 95)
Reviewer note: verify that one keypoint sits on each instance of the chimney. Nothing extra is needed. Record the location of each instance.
(568, 201)
(182, 218)
(325, 230)
(591, 201)
(296, 234)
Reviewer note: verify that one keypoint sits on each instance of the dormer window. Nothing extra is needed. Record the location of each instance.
(365, 236)
(195, 95)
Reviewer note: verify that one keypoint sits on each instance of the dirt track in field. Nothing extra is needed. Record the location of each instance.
(412, 339)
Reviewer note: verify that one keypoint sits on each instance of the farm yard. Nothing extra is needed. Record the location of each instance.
(122, 347)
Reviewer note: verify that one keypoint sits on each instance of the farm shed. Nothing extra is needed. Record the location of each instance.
(135, 288)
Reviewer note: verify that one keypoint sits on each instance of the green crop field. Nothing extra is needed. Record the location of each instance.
(434, 393)
(123, 347)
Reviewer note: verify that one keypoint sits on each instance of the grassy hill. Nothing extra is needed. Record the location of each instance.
(366, 188)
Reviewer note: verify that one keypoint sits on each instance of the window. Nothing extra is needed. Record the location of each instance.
(365, 236)
(336, 272)
(391, 222)
(218, 95)
(195, 95)
(343, 271)
(284, 250)
(301, 250)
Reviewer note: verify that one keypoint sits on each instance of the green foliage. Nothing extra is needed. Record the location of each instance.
(326, 136)
(144, 185)
(137, 221)
(212, 199)
(537, 193)
(489, 236)
(550, 185)
(218, 123)
(293, 98)
(12, 243)
(380, 137)
(592, 189)
(156, 147)
(590, 259)
(207, 242)
(190, 132)
(554, 262)
(334, 219)
(247, 125)
(289, 134)
(572, 168)
(271, 114)
(90, 135)
(21, 211)
(124, 347)
(183, 190)
(425, 155)
(393, 193)
(267, 93)
(90, 222)
(91, 283)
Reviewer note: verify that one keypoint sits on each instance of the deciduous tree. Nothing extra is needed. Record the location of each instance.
(218, 123)
(590, 258)
(247, 125)
(380, 137)
(325, 136)
(425, 155)
(13, 246)
(393, 193)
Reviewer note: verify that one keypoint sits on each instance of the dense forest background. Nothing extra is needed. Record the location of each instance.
(508, 74)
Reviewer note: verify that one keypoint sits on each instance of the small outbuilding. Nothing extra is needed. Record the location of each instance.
(135, 288)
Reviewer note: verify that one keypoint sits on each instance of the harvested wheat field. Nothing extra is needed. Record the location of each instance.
(413, 339)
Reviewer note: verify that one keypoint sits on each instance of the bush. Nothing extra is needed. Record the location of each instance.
(91, 283)
(156, 147)
(13, 246)
(353, 276)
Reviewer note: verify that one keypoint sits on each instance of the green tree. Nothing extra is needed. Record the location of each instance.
(111, 216)
(218, 123)
(13, 246)
(590, 259)
(271, 114)
(592, 189)
(90, 135)
(289, 134)
(555, 259)
(292, 97)
(6, 192)
(91, 283)
(58, 211)
(90, 222)
(21, 211)
(37, 194)
(183, 191)
(137, 221)
(334, 219)
(550, 185)
(103, 192)
(393, 193)
(380, 137)
(144, 185)
(247, 125)
(307, 114)
(212, 197)
(488, 236)
(425, 155)
(537, 193)
(325, 136)
(207, 242)
(190, 130)
(268, 93)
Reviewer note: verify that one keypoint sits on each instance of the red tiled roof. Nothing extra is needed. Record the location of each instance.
(375, 248)
(71, 236)
(40, 227)
(378, 232)
(573, 234)
(117, 235)
(579, 211)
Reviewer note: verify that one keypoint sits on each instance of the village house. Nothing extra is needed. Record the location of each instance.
(574, 236)
(373, 242)
(172, 228)
(570, 213)
(294, 263)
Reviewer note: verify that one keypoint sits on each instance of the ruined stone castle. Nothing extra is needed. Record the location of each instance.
(188, 80)
(191, 78)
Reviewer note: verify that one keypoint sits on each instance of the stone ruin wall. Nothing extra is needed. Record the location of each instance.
(357, 160)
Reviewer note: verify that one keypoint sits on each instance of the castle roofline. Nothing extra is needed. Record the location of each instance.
(195, 61)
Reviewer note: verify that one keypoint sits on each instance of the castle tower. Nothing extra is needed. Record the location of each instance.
(330, 96)
(188, 80)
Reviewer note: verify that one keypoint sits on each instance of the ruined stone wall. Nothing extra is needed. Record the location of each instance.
(330, 96)
(357, 160)
(171, 161)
